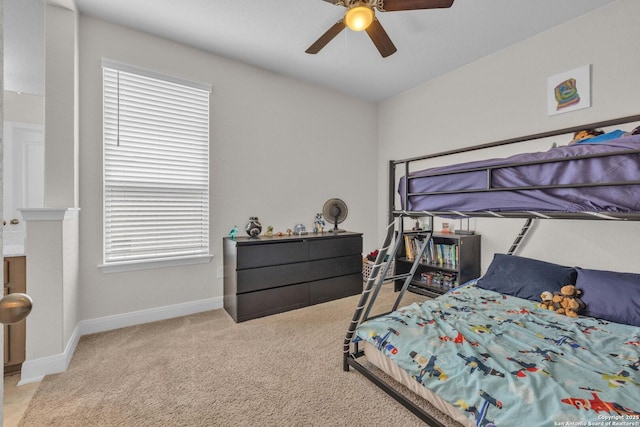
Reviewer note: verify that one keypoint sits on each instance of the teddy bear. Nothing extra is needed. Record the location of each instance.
(571, 302)
(551, 301)
(567, 301)
(556, 303)
(547, 300)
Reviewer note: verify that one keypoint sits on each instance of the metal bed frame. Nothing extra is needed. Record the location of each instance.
(395, 227)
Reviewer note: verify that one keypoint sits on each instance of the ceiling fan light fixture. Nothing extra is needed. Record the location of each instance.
(358, 18)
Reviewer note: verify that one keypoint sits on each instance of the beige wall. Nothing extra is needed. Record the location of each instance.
(61, 91)
(279, 149)
(504, 95)
(24, 108)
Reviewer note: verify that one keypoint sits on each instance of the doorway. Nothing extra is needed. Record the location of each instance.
(22, 38)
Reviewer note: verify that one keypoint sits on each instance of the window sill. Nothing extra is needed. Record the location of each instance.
(118, 267)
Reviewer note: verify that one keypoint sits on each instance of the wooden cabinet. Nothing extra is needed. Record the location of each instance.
(268, 275)
(450, 260)
(15, 280)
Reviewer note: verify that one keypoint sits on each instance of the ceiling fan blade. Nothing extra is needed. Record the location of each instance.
(336, 2)
(326, 37)
(395, 5)
(380, 38)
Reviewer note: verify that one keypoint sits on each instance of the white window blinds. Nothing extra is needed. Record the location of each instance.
(156, 167)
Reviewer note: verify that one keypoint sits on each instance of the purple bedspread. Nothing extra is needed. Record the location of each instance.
(615, 168)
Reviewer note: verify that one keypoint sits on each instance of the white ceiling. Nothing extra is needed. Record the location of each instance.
(273, 34)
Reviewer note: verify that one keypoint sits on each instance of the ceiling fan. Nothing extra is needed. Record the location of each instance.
(360, 16)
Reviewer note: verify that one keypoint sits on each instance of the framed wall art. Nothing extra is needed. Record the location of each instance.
(569, 91)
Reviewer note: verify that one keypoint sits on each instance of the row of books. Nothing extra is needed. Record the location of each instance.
(439, 279)
(435, 254)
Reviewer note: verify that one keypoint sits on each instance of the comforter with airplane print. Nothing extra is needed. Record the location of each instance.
(504, 361)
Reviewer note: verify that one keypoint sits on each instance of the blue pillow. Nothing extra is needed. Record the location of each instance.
(602, 138)
(610, 295)
(525, 277)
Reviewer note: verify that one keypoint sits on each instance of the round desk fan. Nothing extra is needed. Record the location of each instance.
(335, 210)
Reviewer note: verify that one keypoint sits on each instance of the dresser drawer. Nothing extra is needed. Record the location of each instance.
(336, 287)
(276, 253)
(335, 247)
(272, 301)
(325, 268)
(255, 279)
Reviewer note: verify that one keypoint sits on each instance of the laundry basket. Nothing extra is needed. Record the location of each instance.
(367, 269)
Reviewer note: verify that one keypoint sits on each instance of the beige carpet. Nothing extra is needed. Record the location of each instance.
(206, 370)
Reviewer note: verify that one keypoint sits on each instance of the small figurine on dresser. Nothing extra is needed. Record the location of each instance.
(318, 223)
(254, 227)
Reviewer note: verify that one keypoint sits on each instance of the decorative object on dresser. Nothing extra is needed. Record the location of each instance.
(265, 276)
(336, 211)
(254, 227)
(300, 229)
(318, 223)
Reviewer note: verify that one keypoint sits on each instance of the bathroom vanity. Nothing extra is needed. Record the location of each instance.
(15, 280)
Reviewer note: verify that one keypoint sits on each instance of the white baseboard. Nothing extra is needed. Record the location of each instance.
(117, 321)
(34, 370)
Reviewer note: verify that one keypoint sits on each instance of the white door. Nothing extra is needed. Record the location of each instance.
(23, 170)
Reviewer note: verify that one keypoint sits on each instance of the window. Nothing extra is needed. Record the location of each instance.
(156, 168)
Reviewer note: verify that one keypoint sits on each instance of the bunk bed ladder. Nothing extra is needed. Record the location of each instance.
(378, 276)
(381, 276)
(520, 237)
(373, 283)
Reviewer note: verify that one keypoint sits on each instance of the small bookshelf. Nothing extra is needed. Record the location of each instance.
(448, 261)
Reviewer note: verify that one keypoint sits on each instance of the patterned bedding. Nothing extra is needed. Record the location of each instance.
(503, 361)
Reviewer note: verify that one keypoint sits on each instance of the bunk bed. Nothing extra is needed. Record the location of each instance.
(486, 353)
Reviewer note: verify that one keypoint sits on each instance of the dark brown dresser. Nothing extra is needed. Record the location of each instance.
(269, 275)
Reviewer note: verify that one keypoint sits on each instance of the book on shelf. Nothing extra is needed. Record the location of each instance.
(409, 247)
(440, 254)
(443, 254)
